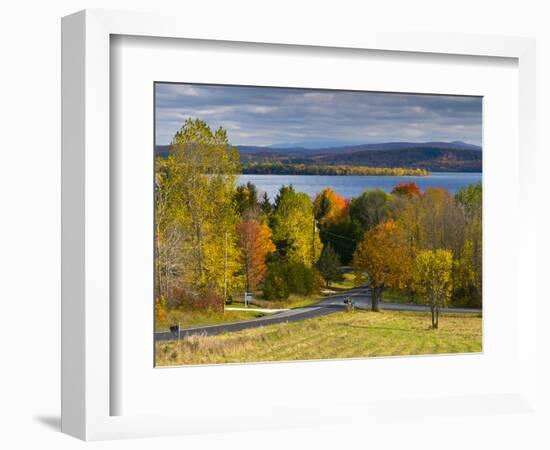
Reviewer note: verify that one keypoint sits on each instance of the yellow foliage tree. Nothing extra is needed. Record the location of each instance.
(381, 256)
(195, 193)
(433, 274)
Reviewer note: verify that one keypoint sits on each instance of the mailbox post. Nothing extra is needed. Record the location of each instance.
(350, 303)
(175, 329)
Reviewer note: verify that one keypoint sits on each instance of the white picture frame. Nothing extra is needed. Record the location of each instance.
(87, 325)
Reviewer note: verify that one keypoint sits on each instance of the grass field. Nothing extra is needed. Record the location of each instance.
(339, 335)
(348, 282)
(193, 318)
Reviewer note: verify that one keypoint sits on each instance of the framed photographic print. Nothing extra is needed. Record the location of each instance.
(289, 214)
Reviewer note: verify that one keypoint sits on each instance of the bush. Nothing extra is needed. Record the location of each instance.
(160, 309)
(275, 284)
(290, 278)
(300, 279)
(204, 300)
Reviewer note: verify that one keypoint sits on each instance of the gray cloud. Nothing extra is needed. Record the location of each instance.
(270, 116)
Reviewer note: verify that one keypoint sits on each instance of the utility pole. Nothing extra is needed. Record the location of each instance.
(313, 242)
(224, 270)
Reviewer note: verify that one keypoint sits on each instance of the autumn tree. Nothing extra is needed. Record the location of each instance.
(440, 221)
(255, 243)
(329, 207)
(433, 275)
(329, 264)
(371, 208)
(168, 230)
(407, 189)
(294, 227)
(381, 258)
(195, 198)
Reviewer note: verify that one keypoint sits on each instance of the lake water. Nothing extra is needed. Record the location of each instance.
(352, 185)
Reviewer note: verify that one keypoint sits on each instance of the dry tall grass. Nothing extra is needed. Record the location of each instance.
(340, 335)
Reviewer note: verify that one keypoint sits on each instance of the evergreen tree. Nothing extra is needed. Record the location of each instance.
(329, 265)
(265, 205)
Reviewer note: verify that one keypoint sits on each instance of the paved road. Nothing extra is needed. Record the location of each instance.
(330, 305)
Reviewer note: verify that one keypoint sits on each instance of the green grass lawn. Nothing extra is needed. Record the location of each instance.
(348, 282)
(339, 335)
(395, 297)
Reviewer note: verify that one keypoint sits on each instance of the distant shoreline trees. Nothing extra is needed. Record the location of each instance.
(280, 168)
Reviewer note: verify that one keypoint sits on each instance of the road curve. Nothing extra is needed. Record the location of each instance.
(330, 305)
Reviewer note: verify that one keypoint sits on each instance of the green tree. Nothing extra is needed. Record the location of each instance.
(276, 285)
(343, 236)
(471, 199)
(290, 278)
(246, 198)
(433, 274)
(468, 270)
(265, 205)
(371, 208)
(329, 264)
(294, 227)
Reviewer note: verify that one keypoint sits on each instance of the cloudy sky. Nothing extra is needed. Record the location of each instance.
(317, 118)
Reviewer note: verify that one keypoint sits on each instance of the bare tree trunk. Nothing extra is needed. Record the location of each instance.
(376, 295)
(437, 317)
(433, 316)
(158, 281)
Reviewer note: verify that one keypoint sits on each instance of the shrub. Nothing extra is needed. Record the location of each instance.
(205, 299)
(275, 284)
(160, 309)
(300, 279)
(290, 278)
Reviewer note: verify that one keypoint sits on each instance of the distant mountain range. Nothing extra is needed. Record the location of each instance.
(454, 156)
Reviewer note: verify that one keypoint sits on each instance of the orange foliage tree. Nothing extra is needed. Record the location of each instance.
(329, 207)
(382, 257)
(408, 189)
(255, 244)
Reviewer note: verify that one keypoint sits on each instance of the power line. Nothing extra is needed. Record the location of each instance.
(339, 243)
(342, 237)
